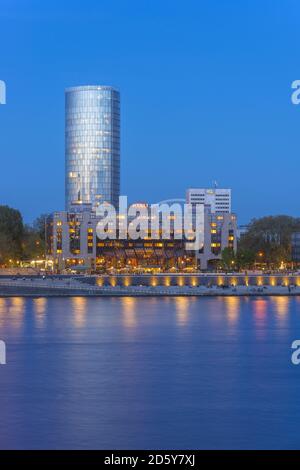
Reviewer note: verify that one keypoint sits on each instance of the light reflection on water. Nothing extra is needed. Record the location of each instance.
(14, 309)
(129, 313)
(182, 305)
(157, 372)
(260, 307)
(40, 305)
(2, 310)
(79, 308)
(281, 309)
(232, 305)
(281, 305)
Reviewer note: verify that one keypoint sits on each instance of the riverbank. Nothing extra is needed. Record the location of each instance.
(70, 287)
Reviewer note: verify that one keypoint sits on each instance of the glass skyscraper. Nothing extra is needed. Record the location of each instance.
(92, 146)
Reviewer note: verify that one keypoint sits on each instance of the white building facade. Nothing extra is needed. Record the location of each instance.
(220, 224)
(216, 199)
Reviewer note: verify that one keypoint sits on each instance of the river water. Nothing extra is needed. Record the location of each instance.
(156, 373)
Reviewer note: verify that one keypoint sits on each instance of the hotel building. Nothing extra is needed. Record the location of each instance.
(72, 243)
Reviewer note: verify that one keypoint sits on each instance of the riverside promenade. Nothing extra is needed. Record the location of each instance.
(151, 285)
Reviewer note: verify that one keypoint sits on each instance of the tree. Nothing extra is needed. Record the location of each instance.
(34, 238)
(11, 234)
(269, 239)
(245, 258)
(33, 246)
(228, 258)
(39, 225)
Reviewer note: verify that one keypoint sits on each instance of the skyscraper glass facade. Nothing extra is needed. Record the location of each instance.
(92, 146)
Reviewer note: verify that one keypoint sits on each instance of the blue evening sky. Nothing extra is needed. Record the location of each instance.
(205, 95)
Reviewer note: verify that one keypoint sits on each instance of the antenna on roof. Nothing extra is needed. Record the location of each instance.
(215, 184)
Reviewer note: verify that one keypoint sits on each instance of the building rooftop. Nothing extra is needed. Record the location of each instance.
(90, 87)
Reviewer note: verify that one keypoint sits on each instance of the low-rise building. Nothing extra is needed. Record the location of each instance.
(220, 225)
(220, 231)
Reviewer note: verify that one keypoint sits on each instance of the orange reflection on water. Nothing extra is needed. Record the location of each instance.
(129, 311)
(182, 309)
(15, 309)
(79, 305)
(281, 305)
(260, 308)
(260, 316)
(232, 304)
(3, 306)
(39, 306)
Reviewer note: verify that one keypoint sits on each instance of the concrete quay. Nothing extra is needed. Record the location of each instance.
(158, 285)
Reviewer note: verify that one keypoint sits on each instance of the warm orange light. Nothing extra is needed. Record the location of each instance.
(286, 282)
(126, 281)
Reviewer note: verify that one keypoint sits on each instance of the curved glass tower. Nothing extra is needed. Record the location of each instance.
(92, 146)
